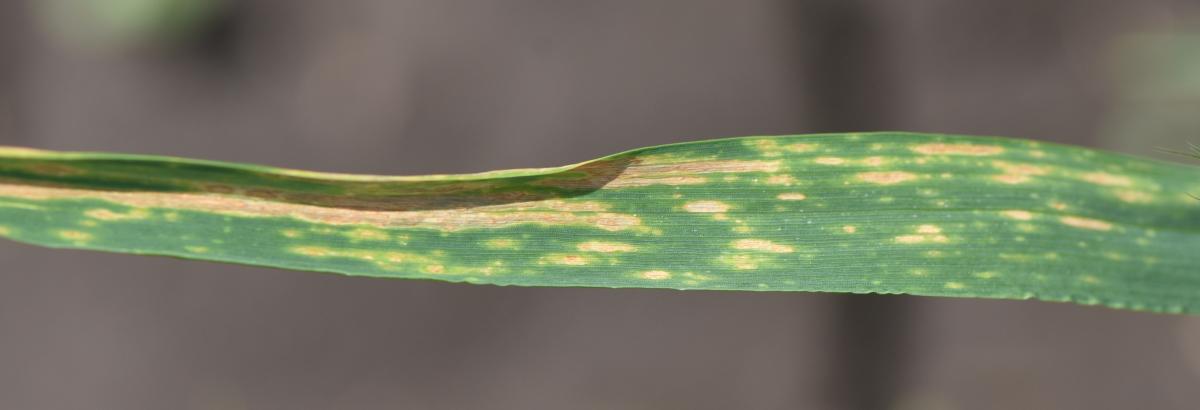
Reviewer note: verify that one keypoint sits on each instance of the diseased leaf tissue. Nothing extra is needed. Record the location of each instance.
(907, 213)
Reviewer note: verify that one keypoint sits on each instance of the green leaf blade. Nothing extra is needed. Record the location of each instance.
(906, 213)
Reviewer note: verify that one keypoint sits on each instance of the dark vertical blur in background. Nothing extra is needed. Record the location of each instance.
(436, 86)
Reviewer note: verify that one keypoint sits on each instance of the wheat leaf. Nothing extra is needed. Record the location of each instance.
(919, 214)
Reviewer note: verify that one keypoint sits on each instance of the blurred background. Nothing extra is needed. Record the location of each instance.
(449, 86)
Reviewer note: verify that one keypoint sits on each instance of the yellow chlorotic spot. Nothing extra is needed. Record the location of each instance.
(955, 285)
(4, 230)
(1116, 256)
(720, 217)
(911, 239)
(929, 229)
(1018, 215)
(196, 249)
(957, 149)
(763, 144)
(75, 235)
(1103, 178)
(382, 259)
(791, 196)
(985, 275)
(368, 235)
(1058, 205)
(918, 272)
(830, 161)
(740, 262)
(605, 247)
(886, 178)
(1086, 223)
(1136, 197)
(849, 229)
(1011, 179)
(88, 223)
(873, 161)
(291, 233)
(1020, 169)
(570, 260)
(743, 229)
(706, 206)
(500, 244)
(108, 215)
(655, 275)
(800, 147)
(761, 245)
(1090, 279)
(927, 233)
(780, 180)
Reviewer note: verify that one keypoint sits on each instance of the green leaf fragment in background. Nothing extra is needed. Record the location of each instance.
(920, 214)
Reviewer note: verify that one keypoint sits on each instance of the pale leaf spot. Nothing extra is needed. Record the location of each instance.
(800, 147)
(107, 215)
(780, 180)
(656, 275)
(1086, 223)
(1018, 214)
(501, 243)
(75, 235)
(1011, 179)
(1134, 197)
(886, 178)
(1103, 178)
(605, 247)
(706, 206)
(955, 285)
(761, 245)
(957, 149)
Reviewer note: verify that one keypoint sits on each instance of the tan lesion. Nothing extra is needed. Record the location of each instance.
(886, 177)
(633, 172)
(1086, 223)
(957, 149)
(109, 215)
(1107, 179)
(551, 213)
(605, 247)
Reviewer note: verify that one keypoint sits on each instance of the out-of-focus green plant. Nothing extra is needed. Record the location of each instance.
(107, 23)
